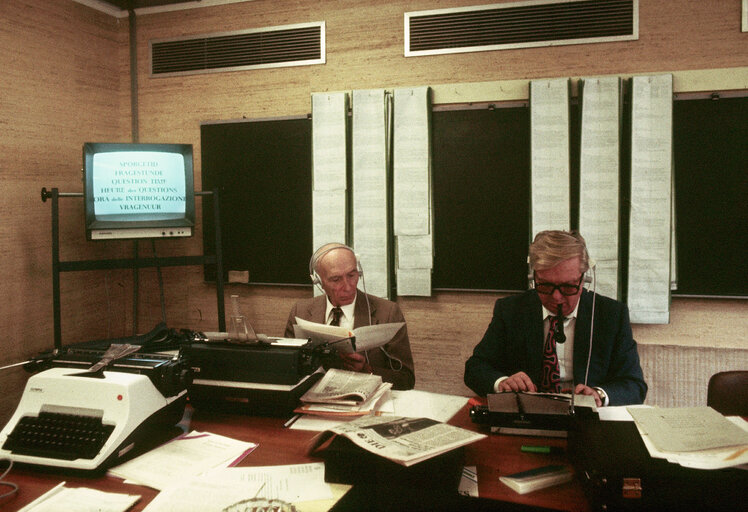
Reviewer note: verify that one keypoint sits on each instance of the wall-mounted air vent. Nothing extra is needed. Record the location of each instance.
(520, 24)
(290, 45)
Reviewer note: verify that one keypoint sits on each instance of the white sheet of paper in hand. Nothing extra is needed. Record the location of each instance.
(367, 336)
(373, 336)
(321, 333)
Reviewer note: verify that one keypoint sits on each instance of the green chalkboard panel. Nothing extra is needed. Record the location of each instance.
(262, 170)
(481, 189)
(710, 139)
(481, 196)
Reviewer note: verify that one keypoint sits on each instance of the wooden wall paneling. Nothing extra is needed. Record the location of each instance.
(62, 80)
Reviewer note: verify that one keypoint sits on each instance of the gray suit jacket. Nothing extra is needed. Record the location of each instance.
(402, 376)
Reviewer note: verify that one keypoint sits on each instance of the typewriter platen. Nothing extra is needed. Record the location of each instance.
(70, 417)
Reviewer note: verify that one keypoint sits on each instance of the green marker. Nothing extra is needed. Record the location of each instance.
(541, 449)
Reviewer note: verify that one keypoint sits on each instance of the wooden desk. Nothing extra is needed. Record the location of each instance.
(494, 456)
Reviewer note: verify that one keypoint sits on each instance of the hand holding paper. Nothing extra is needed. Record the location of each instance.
(367, 337)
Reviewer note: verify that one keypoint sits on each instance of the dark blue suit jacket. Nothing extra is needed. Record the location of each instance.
(513, 342)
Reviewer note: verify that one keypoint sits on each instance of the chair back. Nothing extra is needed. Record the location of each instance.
(727, 393)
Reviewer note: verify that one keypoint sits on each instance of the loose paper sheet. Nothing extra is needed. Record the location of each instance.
(81, 499)
(599, 178)
(329, 168)
(329, 152)
(218, 489)
(183, 457)
(368, 337)
(370, 223)
(683, 429)
(414, 281)
(549, 154)
(651, 189)
(412, 177)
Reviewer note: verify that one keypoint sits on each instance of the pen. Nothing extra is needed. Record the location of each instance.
(541, 449)
(291, 421)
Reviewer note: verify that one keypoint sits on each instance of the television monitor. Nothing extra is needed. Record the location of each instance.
(138, 190)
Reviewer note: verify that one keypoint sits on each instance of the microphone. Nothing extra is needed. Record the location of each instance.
(558, 335)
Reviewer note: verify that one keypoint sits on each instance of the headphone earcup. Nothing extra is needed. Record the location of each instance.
(592, 263)
(358, 265)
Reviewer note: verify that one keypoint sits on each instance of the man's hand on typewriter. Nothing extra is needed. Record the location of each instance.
(520, 381)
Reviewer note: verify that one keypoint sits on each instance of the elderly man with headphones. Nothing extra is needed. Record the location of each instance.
(335, 268)
(558, 335)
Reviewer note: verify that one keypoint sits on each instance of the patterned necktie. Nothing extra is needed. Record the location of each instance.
(551, 380)
(337, 313)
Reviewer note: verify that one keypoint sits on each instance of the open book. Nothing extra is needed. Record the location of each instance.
(366, 337)
(343, 387)
(405, 441)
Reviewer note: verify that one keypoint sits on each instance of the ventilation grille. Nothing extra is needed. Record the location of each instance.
(295, 45)
(519, 24)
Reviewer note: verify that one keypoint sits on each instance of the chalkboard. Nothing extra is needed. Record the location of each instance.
(711, 195)
(481, 189)
(262, 170)
(481, 196)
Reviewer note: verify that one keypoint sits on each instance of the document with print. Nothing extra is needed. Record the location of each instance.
(343, 387)
(682, 429)
(403, 440)
(185, 456)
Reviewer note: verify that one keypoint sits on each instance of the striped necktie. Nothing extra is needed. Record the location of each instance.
(337, 314)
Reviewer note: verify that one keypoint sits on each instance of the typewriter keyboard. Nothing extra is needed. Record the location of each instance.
(58, 436)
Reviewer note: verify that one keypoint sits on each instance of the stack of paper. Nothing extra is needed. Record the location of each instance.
(696, 437)
(219, 489)
(538, 478)
(342, 393)
(411, 402)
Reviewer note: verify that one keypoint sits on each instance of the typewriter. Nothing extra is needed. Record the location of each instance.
(74, 418)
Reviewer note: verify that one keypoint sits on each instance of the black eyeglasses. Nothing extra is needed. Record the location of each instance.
(566, 289)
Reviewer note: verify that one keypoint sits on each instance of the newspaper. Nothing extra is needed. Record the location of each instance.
(342, 411)
(403, 440)
(343, 387)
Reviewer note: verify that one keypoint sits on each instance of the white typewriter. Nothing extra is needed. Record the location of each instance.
(68, 418)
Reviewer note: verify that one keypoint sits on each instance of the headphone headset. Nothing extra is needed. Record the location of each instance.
(591, 264)
(317, 281)
(319, 253)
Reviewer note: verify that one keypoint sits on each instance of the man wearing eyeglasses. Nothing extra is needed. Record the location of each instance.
(540, 340)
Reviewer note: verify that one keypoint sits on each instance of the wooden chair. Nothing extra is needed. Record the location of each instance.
(727, 392)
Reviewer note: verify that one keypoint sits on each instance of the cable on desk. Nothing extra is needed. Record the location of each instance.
(13, 487)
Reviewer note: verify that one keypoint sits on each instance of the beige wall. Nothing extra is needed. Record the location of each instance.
(63, 82)
(66, 81)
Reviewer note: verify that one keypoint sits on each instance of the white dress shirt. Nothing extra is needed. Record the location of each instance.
(346, 321)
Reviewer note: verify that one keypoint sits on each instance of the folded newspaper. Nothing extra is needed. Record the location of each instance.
(405, 441)
(367, 337)
(343, 387)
